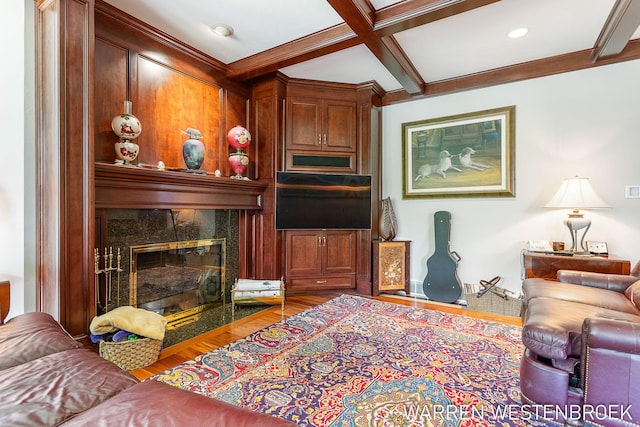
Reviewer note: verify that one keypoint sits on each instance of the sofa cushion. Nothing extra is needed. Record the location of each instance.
(605, 298)
(152, 403)
(553, 328)
(633, 293)
(53, 388)
(30, 336)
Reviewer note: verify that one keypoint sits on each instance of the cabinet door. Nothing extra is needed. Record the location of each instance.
(339, 250)
(339, 133)
(304, 124)
(304, 253)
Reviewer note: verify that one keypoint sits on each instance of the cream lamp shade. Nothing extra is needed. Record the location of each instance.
(575, 194)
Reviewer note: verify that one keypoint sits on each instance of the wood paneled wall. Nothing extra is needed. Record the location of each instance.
(64, 124)
(171, 89)
(90, 59)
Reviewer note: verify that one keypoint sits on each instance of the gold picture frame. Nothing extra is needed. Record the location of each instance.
(466, 155)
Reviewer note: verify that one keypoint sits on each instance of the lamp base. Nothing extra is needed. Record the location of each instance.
(576, 222)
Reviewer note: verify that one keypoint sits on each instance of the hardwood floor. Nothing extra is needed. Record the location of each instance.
(201, 344)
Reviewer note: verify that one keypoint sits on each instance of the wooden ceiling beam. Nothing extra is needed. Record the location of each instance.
(361, 18)
(528, 70)
(622, 22)
(303, 49)
(377, 27)
(413, 13)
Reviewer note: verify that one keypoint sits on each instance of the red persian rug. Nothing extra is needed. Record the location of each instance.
(360, 362)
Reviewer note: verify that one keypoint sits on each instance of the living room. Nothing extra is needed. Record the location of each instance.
(578, 123)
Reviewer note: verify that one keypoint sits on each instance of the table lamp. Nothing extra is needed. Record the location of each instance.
(576, 193)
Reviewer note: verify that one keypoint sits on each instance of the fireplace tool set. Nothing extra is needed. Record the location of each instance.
(108, 270)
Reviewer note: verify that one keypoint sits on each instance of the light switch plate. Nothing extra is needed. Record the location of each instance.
(632, 192)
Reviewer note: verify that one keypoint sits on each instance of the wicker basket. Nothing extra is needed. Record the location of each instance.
(492, 303)
(130, 355)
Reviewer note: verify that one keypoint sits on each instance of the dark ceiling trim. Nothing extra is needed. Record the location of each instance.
(622, 22)
(528, 70)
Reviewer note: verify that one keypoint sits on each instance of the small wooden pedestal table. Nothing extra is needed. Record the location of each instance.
(391, 261)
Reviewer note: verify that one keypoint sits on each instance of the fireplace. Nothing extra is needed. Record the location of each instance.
(177, 279)
(176, 262)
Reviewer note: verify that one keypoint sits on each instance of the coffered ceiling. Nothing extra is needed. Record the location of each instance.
(411, 48)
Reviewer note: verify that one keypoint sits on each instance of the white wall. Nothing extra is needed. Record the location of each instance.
(584, 123)
(17, 206)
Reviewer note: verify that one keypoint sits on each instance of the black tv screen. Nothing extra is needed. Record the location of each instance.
(307, 201)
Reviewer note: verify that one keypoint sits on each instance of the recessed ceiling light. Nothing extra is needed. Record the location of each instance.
(518, 32)
(222, 30)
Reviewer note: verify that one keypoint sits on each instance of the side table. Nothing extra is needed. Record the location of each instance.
(545, 266)
(5, 299)
(391, 260)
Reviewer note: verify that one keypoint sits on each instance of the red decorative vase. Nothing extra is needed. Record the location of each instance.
(239, 162)
(238, 137)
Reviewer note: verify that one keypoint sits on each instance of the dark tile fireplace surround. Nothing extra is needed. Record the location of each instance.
(169, 244)
(138, 207)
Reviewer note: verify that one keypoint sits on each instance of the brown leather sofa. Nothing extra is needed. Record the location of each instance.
(582, 356)
(48, 379)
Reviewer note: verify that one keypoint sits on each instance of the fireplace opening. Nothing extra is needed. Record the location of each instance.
(178, 279)
(185, 262)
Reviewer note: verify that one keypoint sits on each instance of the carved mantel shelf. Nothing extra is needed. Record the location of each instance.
(141, 188)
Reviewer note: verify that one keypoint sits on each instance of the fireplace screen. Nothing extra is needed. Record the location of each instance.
(177, 279)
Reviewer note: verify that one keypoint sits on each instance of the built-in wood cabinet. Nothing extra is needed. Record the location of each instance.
(321, 125)
(321, 130)
(288, 116)
(320, 259)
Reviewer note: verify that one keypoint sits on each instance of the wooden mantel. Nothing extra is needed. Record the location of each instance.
(119, 186)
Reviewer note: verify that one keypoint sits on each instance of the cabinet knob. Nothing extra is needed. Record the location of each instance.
(324, 139)
(320, 282)
(319, 139)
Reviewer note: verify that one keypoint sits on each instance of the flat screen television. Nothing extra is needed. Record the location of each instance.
(308, 201)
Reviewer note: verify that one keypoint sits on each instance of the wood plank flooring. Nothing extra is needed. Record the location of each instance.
(181, 352)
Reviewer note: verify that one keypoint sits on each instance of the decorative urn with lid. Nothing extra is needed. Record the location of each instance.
(239, 138)
(193, 149)
(127, 127)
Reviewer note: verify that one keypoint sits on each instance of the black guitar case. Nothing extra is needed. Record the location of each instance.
(442, 283)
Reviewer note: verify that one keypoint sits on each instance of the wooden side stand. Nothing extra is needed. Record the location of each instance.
(546, 266)
(391, 260)
(5, 299)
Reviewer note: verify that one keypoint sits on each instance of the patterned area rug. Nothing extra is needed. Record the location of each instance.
(359, 362)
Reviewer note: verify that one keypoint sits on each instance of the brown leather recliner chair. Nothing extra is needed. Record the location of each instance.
(582, 355)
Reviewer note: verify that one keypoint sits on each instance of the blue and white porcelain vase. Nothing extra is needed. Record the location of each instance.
(193, 149)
